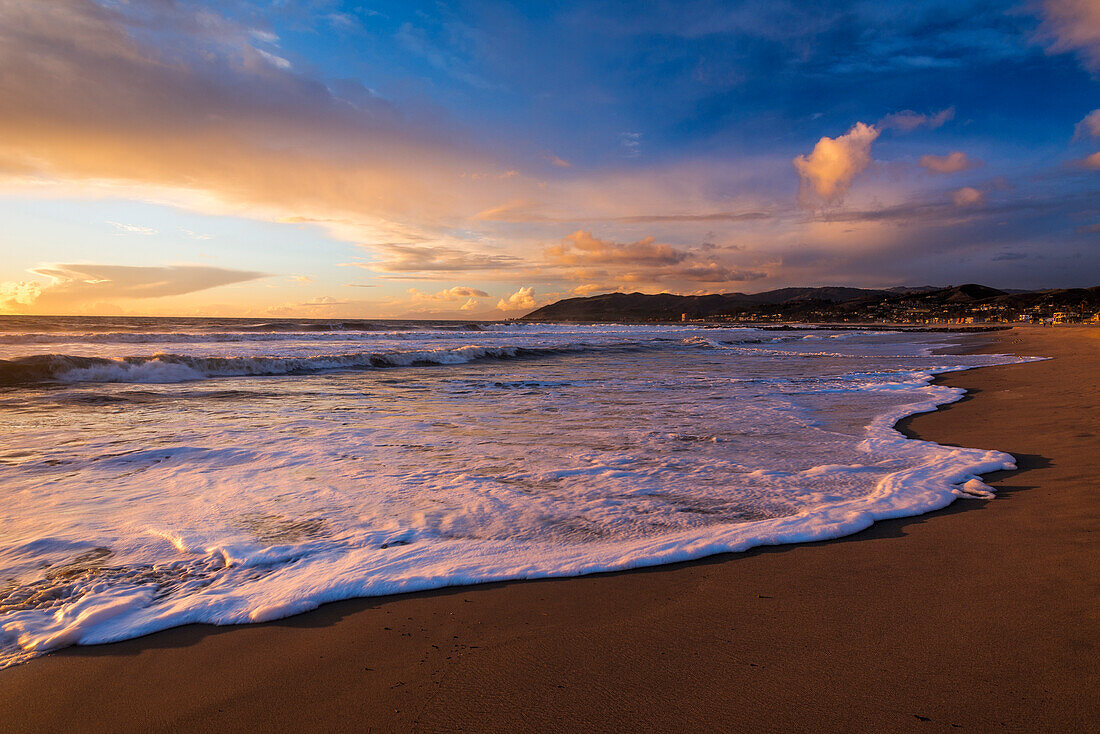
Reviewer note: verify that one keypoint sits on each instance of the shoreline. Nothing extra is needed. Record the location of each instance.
(706, 642)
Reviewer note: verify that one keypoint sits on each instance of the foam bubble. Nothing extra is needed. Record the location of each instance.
(611, 448)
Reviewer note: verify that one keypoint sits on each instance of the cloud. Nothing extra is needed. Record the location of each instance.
(418, 41)
(936, 213)
(132, 228)
(313, 306)
(173, 102)
(967, 196)
(404, 258)
(180, 103)
(922, 212)
(828, 172)
(630, 144)
(519, 210)
(645, 260)
(276, 61)
(1088, 126)
(907, 120)
(74, 286)
(455, 293)
(345, 22)
(1073, 25)
(716, 273)
(951, 163)
(559, 162)
(581, 248)
(18, 293)
(706, 217)
(322, 301)
(460, 291)
(522, 299)
(1008, 256)
(524, 210)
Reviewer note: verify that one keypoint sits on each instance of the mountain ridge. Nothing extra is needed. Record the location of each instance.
(844, 303)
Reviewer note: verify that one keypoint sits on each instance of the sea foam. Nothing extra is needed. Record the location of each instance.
(312, 474)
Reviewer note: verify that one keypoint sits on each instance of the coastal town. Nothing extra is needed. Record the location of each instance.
(968, 304)
(908, 312)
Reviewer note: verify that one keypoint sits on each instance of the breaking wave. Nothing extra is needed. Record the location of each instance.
(162, 368)
(131, 507)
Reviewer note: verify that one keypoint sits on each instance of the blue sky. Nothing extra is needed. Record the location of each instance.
(477, 159)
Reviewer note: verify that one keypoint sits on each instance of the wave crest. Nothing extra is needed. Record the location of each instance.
(166, 368)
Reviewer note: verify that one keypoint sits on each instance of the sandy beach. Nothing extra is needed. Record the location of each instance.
(980, 617)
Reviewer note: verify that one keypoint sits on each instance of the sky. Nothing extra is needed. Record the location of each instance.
(470, 160)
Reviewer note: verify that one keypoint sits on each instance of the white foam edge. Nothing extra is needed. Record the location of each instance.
(948, 474)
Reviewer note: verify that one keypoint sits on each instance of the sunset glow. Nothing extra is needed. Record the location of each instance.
(470, 160)
(572, 365)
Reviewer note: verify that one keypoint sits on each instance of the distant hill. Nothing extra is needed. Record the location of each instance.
(668, 307)
(829, 303)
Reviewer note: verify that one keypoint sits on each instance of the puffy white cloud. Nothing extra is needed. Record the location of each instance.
(522, 299)
(828, 171)
(14, 294)
(953, 162)
(967, 196)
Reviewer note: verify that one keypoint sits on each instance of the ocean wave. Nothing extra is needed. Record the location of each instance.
(643, 448)
(293, 565)
(259, 333)
(15, 327)
(167, 368)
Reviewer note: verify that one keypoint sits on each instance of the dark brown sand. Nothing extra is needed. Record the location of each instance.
(982, 617)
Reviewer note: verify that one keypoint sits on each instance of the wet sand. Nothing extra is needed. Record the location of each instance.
(981, 617)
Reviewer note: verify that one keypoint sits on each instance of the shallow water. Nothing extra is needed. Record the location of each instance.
(155, 473)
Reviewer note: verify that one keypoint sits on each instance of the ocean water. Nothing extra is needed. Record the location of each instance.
(158, 472)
